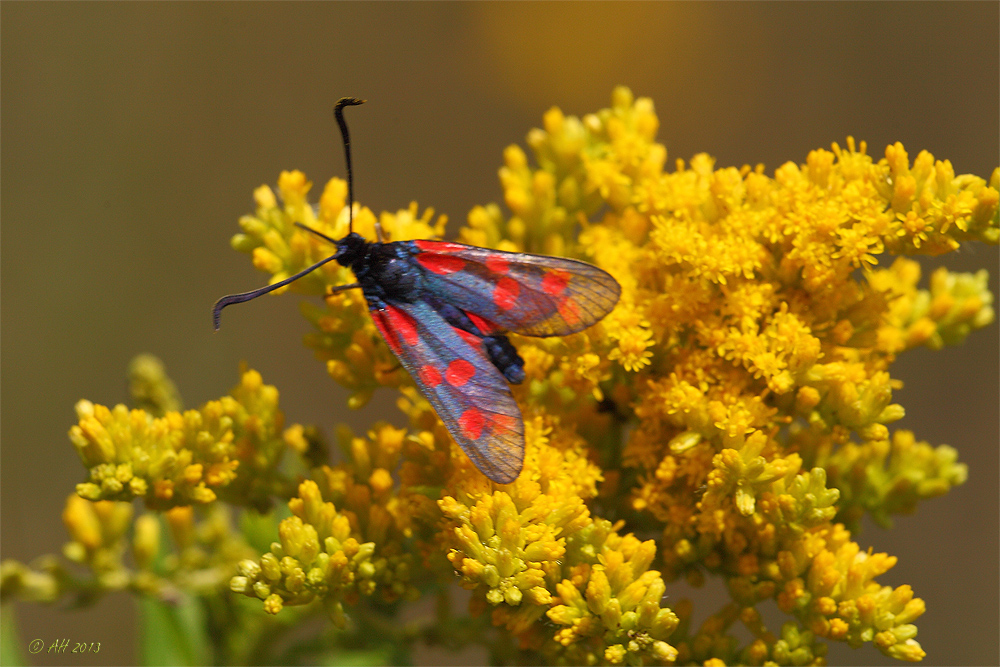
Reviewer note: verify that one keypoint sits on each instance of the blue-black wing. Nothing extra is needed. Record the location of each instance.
(533, 295)
(453, 372)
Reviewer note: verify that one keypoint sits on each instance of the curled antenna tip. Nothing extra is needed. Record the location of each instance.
(348, 102)
(247, 296)
(217, 313)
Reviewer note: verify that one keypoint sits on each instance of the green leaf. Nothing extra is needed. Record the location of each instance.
(10, 641)
(260, 530)
(346, 658)
(172, 634)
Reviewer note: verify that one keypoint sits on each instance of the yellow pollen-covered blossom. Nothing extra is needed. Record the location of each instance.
(733, 417)
(150, 387)
(232, 446)
(534, 552)
(198, 558)
(738, 398)
(320, 556)
(96, 532)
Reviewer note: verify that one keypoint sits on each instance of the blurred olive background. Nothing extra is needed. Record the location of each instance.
(133, 135)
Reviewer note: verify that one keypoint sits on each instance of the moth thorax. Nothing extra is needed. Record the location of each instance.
(398, 278)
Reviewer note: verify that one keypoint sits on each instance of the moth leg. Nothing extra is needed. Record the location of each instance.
(378, 232)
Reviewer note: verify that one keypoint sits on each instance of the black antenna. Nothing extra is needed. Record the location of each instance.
(247, 296)
(338, 113)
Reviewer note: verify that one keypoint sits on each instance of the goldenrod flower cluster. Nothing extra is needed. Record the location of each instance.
(123, 551)
(316, 558)
(748, 349)
(320, 555)
(536, 555)
(188, 457)
(98, 532)
(730, 418)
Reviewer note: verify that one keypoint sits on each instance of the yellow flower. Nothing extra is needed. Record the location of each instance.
(320, 557)
(184, 458)
(734, 411)
(150, 387)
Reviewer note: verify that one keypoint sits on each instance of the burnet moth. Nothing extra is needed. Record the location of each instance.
(444, 309)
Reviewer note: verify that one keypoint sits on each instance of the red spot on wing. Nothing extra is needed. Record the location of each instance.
(390, 339)
(472, 423)
(503, 423)
(505, 293)
(440, 264)
(497, 264)
(438, 246)
(481, 324)
(570, 312)
(459, 372)
(471, 339)
(402, 324)
(554, 282)
(430, 375)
